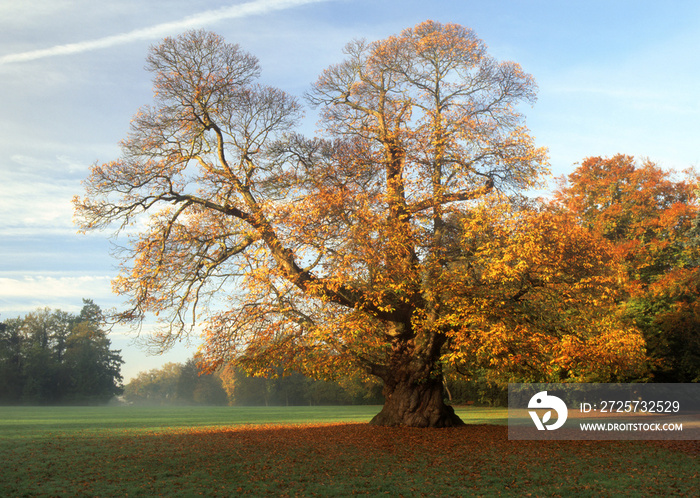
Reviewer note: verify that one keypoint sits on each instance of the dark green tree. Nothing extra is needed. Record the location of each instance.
(54, 357)
(11, 361)
(44, 334)
(94, 368)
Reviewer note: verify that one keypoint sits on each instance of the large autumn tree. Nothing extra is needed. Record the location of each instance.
(392, 245)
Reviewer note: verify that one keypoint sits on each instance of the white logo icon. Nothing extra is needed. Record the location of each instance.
(543, 400)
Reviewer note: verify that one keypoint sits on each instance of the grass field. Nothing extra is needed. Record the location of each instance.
(319, 451)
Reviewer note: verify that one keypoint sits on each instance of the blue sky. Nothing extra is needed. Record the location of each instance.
(614, 77)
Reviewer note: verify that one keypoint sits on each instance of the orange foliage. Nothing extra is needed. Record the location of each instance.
(639, 208)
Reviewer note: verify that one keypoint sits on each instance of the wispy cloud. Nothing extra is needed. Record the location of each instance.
(255, 7)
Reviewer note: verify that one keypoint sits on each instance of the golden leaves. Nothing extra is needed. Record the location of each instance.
(537, 298)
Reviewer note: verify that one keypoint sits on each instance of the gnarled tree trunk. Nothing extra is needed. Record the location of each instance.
(413, 392)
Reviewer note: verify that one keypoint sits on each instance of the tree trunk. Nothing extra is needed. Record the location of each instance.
(413, 394)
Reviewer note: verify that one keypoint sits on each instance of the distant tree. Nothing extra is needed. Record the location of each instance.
(646, 213)
(187, 381)
(294, 389)
(56, 357)
(201, 389)
(651, 217)
(362, 389)
(155, 386)
(324, 255)
(251, 391)
(209, 391)
(320, 392)
(11, 362)
(44, 334)
(95, 369)
(668, 313)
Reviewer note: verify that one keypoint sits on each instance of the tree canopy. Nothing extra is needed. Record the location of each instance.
(394, 244)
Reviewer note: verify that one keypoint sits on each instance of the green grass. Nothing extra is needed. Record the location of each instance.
(319, 451)
(35, 422)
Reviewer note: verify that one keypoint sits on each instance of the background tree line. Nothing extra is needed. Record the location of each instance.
(52, 357)
(184, 384)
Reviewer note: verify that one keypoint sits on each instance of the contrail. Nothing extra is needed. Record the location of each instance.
(254, 7)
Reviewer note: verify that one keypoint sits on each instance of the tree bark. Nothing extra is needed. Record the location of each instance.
(414, 394)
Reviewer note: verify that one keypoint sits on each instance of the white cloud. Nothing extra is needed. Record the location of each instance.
(61, 166)
(48, 286)
(21, 294)
(255, 7)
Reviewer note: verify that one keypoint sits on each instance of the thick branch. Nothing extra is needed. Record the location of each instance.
(466, 195)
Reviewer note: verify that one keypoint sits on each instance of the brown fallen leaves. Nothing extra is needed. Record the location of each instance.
(476, 459)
